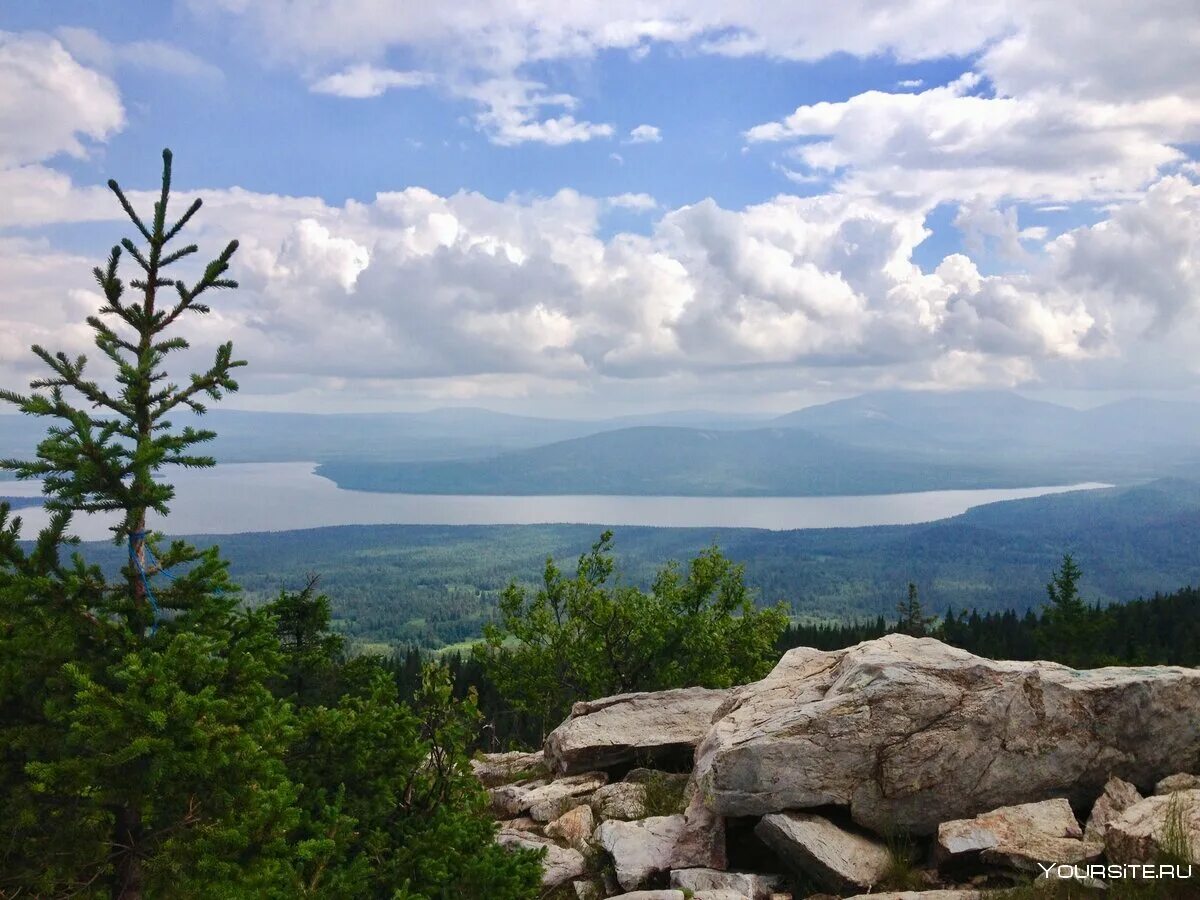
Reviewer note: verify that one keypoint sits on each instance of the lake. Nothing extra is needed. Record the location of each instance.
(286, 496)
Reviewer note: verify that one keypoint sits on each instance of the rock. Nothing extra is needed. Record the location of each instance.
(1019, 836)
(908, 732)
(588, 890)
(953, 894)
(1178, 782)
(1118, 796)
(494, 769)
(509, 800)
(524, 823)
(719, 895)
(647, 847)
(621, 800)
(549, 801)
(651, 895)
(560, 863)
(603, 733)
(1138, 835)
(574, 827)
(744, 884)
(833, 857)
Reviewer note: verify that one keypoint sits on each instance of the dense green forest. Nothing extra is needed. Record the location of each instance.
(438, 585)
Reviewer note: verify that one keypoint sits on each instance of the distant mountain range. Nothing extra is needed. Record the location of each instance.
(877, 443)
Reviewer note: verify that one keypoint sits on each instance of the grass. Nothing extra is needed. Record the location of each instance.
(664, 796)
(903, 873)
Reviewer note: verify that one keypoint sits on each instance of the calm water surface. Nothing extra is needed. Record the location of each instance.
(285, 496)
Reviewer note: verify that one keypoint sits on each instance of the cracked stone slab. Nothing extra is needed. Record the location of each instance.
(909, 732)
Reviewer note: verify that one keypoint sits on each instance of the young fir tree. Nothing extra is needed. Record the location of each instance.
(1067, 630)
(142, 750)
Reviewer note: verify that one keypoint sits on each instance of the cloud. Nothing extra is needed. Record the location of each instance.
(52, 104)
(90, 48)
(363, 81)
(637, 202)
(512, 113)
(645, 134)
(952, 143)
(469, 296)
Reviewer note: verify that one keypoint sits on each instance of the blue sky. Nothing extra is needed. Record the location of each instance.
(822, 201)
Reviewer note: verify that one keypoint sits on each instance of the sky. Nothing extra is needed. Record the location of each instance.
(595, 208)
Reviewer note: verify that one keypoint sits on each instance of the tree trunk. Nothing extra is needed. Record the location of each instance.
(128, 883)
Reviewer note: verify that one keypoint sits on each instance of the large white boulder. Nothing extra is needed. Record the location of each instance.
(835, 858)
(630, 727)
(909, 732)
(1021, 837)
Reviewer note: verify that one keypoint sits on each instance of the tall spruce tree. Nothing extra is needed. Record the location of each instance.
(912, 619)
(141, 747)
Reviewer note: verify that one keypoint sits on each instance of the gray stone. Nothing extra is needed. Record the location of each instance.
(560, 863)
(574, 827)
(1138, 835)
(1020, 837)
(651, 895)
(747, 884)
(647, 847)
(549, 801)
(1181, 781)
(835, 858)
(640, 849)
(494, 769)
(909, 732)
(1118, 796)
(509, 800)
(621, 800)
(615, 730)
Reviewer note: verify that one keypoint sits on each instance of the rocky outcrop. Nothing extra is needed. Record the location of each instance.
(994, 759)
(909, 733)
(835, 858)
(1118, 796)
(613, 731)
(560, 865)
(1157, 827)
(1019, 837)
(743, 884)
(652, 895)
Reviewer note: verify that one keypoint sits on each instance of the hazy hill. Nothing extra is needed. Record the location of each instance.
(678, 461)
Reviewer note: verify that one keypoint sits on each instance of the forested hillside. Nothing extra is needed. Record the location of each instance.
(436, 585)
